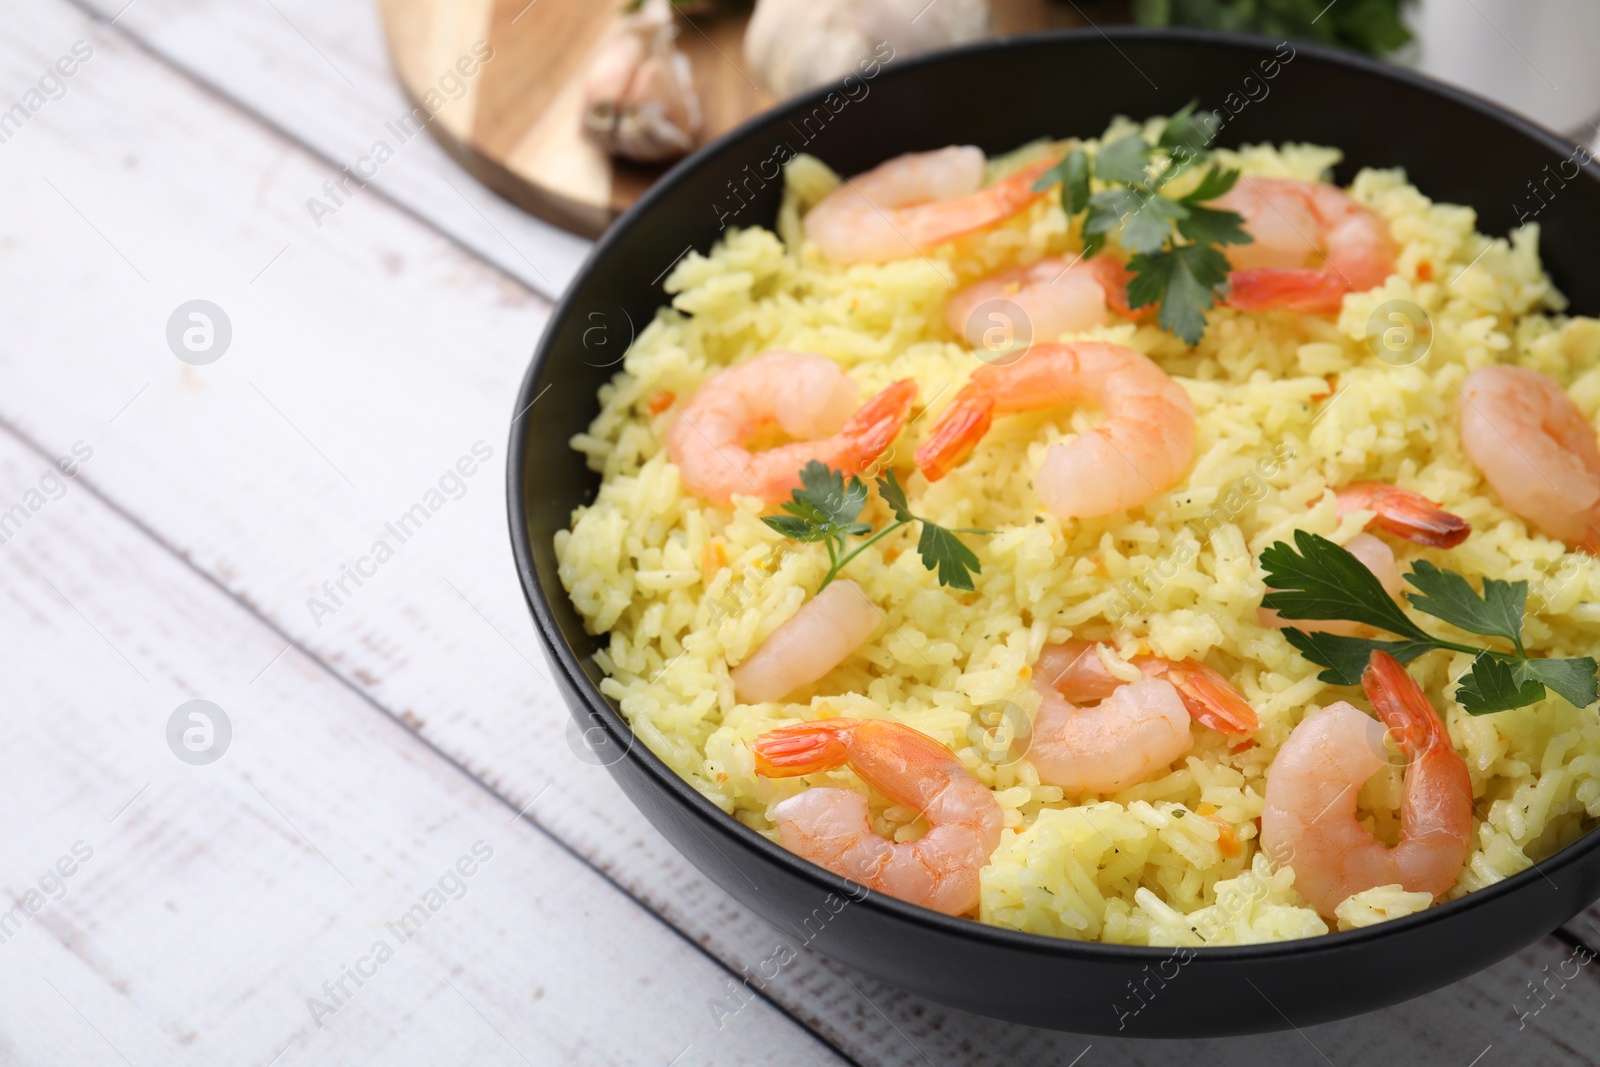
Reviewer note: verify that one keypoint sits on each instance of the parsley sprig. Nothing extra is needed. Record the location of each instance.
(1371, 26)
(1325, 581)
(1177, 260)
(825, 509)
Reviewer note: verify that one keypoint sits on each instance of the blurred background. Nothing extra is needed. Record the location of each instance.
(623, 91)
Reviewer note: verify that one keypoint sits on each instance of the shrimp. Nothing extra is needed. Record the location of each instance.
(1536, 449)
(1309, 822)
(1403, 513)
(915, 202)
(1311, 245)
(806, 396)
(1050, 298)
(1137, 729)
(814, 641)
(1378, 558)
(1144, 447)
(830, 827)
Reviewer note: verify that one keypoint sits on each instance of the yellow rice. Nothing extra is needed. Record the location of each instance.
(686, 589)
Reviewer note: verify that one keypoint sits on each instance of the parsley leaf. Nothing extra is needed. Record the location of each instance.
(1184, 281)
(1208, 226)
(825, 508)
(1347, 657)
(941, 548)
(1108, 208)
(1123, 161)
(889, 488)
(1573, 680)
(1492, 685)
(1447, 595)
(826, 505)
(1497, 682)
(1072, 171)
(1146, 229)
(1176, 262)
(796, 528)
(1189, 131)
(1324, 581)
(1213, 184)
(1372, 26)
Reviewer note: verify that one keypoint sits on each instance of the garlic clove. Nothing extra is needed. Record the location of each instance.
(639, 98)
(794, 45)
(660, 116)
(613, 65)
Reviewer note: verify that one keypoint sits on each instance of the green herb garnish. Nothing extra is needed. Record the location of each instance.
(825, 509)
(1371, 26)
(1325, 581)
(1177, 262)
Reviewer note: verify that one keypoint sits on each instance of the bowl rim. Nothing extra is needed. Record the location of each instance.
(711, 817)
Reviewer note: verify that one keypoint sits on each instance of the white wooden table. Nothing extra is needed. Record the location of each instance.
(227, 913)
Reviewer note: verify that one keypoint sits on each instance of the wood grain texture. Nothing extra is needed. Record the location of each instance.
(212, 903)
(320, 74)
(367, 359)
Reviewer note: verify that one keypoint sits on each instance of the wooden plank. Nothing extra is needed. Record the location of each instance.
(323, 72)
(191, 914)
(379, 354)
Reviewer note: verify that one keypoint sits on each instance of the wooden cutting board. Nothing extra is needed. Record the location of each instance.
(500, 84)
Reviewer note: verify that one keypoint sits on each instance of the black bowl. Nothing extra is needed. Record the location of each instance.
(1455, 147)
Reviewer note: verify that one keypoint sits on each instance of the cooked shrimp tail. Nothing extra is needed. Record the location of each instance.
(958, 432)
(1402, 705)
(804, 748)
(871, 429)
(1211, 699)
(832, 827)
(949, 219)
(1436, 809)
(1404, 513)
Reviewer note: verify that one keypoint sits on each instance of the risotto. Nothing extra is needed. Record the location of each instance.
(1291, 403)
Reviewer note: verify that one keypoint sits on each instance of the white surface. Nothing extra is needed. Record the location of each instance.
(217, 900)
(318, 71)
(367, 357)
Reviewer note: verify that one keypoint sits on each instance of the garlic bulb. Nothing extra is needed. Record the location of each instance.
(639, 99)
(792, 45)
